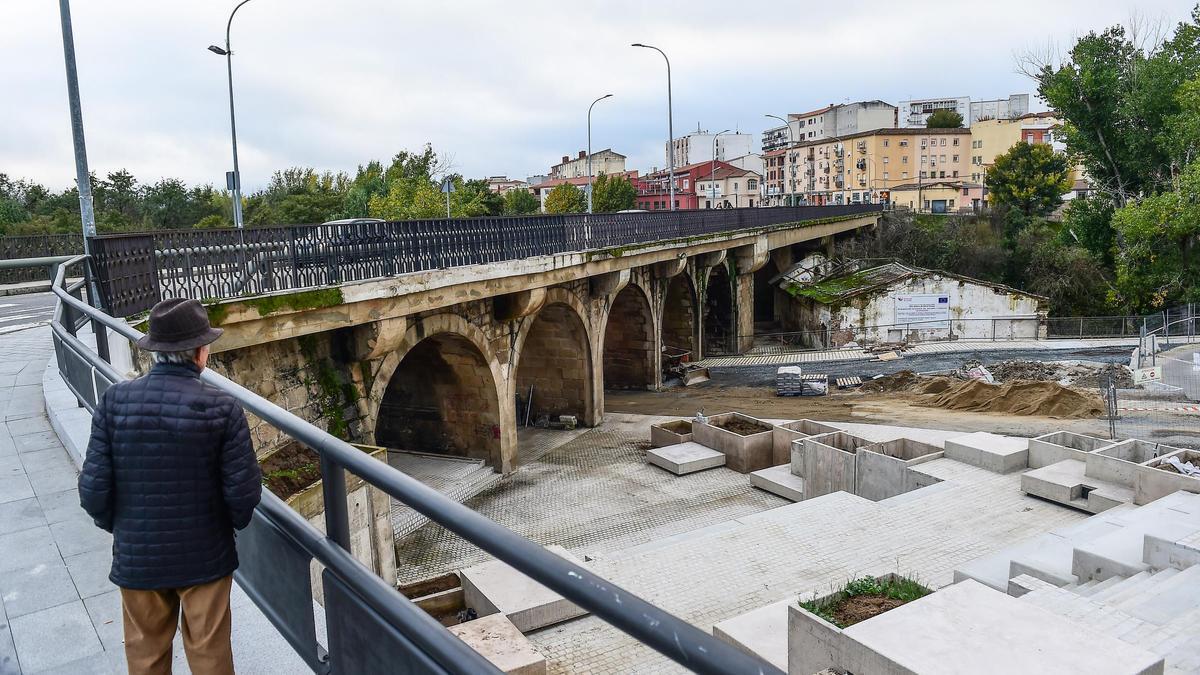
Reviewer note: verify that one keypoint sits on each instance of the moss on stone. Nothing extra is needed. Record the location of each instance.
(296, 302)
(217, 313)
(830, 290)
(333, 394)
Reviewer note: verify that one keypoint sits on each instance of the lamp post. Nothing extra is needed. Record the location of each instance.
(236, 183)
(670, 124)
(791, 141)
(589, 150)
(712, 171)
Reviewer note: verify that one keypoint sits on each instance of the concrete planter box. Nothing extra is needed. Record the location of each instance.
(371, 538)
(814, 644)
(743, 453)
(1052, 448)
(670, 433)
(1154, 481)
(882, 469)
(783, 435)
(829, 463)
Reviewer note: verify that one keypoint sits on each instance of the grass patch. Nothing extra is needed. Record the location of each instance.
(860, 599)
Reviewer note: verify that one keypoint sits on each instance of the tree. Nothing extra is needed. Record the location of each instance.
(944, 119)
(566, 198)
(1087, 222)
(1069, 275)
(1030, 178)
(1159, 263)
(518, 202)
(614, 193)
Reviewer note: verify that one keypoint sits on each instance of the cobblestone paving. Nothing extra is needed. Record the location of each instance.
(594, 493)
(807, 546)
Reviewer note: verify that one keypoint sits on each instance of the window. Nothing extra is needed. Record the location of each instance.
(904, 143)
(924, 159)
(885, 142)
(956, 174)
(904, 174)
(942, 159)
(885, 175)
(927, 204)
(904, 159)
(707, 204)
(685, 183)
(922, 174)
(942, 174)
(951, 204)
(956, 142)
(885, 160)
(956, 158)
(751, 184)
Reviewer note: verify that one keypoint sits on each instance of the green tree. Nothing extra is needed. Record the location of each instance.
(613, 193)
(1030, 178)
(518, 202)
(566, 198)
(1183, 128)
(1087, 222)
(1159, 263)
(944, 119)
(1069, 275)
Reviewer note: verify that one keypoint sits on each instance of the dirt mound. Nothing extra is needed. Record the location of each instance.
(935, 385)
(1096, 379)
(1048, 399)
(1007, 371)
(901, 381)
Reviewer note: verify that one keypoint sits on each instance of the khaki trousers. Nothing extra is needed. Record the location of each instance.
(151, 617)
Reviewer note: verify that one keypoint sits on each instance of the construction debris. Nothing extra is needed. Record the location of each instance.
(1048, 399)
(849, 382)
(1086, 374)
(889, 356)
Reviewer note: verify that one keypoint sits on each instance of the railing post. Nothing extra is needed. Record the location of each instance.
(333, 488)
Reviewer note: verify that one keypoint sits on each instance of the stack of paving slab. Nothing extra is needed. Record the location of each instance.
(789, 381)
(1094, 474)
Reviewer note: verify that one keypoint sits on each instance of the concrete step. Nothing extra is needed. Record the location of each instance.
(1125, 584)
(779, 480)
(1122, 552)
(1096, 588)
(1177, 596)
(1142, 588)
(1165, 585)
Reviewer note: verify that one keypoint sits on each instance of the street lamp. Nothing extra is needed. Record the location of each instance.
(712, 171)
(670, 123)
(589, 151)
(791, 141)
(236, 182)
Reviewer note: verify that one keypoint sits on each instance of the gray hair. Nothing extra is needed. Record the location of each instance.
(180, 358)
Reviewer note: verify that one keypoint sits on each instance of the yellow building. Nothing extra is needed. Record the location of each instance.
(939, 196)
(990, 138)
(864, 167)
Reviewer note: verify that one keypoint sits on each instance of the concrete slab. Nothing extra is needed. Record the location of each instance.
(1001, 454)
(783, 435)
(1123, 552)
(495, 587)
(968, 627)
(1060, 482)
(779, 480)
(684, 458)
(54, 637)
(499, 641)
(761, 632)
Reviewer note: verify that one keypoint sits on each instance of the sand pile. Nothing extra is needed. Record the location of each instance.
(901, 381)
(1048, 399)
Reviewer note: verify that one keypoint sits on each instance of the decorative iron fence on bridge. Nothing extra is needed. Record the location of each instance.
(35, 246)
(137, 270)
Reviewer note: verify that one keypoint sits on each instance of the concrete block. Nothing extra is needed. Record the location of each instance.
(1155, 482)
(670, 433)
(684, 458)
(829, 463)
(496, 588)
(813, 644)
(779, 480)
(1162, 553)
(1055, 447)
(761, 632)
(882, 469)
(1061, 482)
(1136, 451)
(1122, 552)
(1001, 454)
(744, 453)
(499, 641)
(968, 627)
(784, 435)
(1111, 469)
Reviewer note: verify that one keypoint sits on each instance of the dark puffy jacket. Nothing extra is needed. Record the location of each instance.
(170, 471)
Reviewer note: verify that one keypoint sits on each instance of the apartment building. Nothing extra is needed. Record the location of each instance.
(699, 146)
(604, 161)
(863, 167)
(502, 184)
(542, 189)
(915, 113)
(832, 120)
(993, 137)
(728, 187)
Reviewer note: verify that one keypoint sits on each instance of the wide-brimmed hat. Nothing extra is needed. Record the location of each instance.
(177, 325)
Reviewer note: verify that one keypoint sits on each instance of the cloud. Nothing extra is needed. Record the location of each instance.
(503, 88)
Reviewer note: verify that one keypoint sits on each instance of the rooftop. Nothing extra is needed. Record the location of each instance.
(855, 278)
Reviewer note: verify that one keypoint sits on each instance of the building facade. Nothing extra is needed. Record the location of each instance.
(832, 120)
(699, 146)
(990, 138)
(728, 187)
(863, 167)
(502, 184)
(543, 189)
(915, 113)
(940, 196)
(1016, 105)
(604, 161)
(654, 188)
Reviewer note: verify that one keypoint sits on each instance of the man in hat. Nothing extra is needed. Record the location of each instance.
(171, 472)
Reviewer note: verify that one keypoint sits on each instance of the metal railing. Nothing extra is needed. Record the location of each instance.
(1162, 330)
(35, 246)
(371, 627)
(137, 270)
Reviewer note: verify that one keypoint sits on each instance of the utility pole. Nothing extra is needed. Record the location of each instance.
(234, 183)
(589, 150)
(670, 125)
(83, 177)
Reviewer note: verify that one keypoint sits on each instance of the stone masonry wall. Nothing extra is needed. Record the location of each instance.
(554, 361)
(629, 342)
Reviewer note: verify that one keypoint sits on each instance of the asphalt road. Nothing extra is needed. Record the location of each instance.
(764, 376)
(18, 312)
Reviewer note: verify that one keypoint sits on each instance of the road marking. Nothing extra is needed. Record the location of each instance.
(23, 326)
(21, 317)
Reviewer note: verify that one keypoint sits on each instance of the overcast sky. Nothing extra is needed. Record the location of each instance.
(500, 88)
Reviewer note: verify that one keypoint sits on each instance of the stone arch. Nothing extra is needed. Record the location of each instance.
(553, 353)
(442, 390)
(719, 323)
(680, 319)
(629, 348)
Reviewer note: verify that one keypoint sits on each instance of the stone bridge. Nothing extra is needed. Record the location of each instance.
(436, 360)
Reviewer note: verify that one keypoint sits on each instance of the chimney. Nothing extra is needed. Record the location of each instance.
(566, 159)
(582, 154)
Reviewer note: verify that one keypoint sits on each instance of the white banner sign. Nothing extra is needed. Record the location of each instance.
(919, 308)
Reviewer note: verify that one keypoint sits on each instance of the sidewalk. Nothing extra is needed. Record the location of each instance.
(58, 611)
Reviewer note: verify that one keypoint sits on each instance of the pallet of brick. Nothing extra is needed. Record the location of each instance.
(789, 381)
